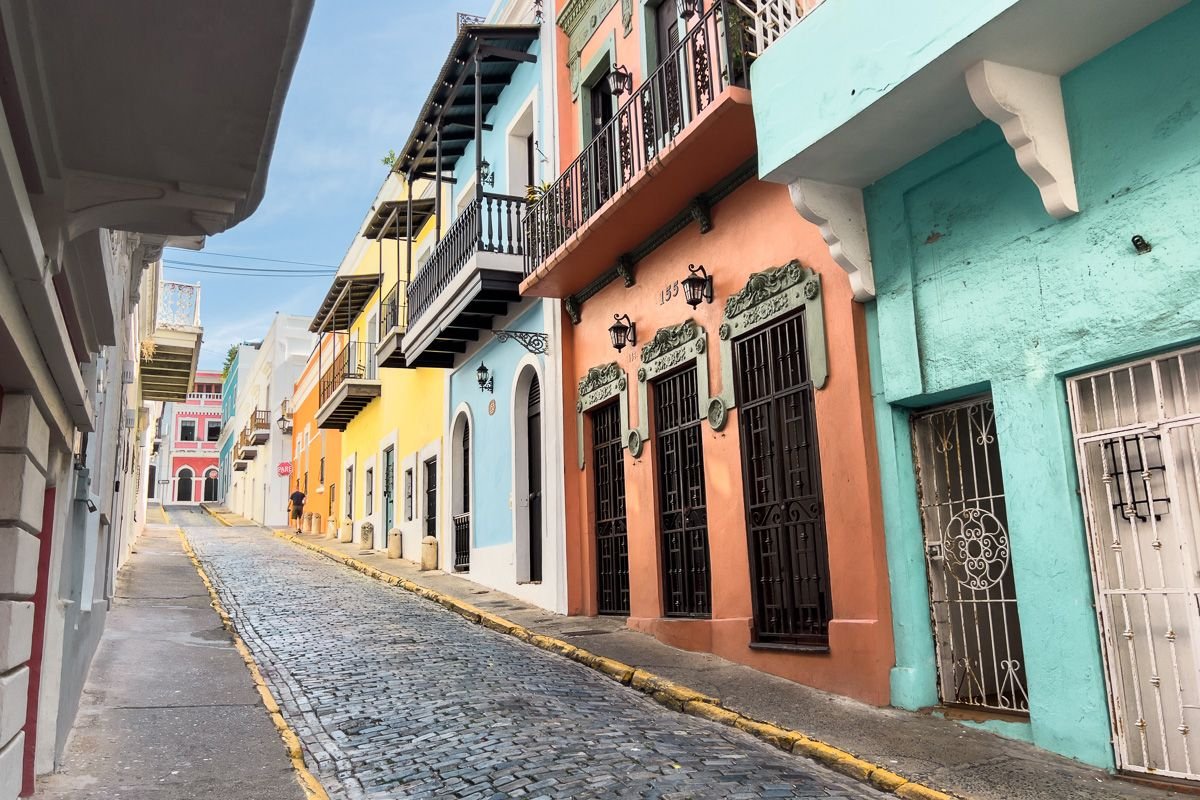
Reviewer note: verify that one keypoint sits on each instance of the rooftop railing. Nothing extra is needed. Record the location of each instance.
(355, 361)
(489, 225)
(711, 57)
(178, 305)
(773, 18)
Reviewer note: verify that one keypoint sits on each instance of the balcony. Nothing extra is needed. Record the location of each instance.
(259, 427)
(246, 449)
(170, 352)
(347, 385)
(393, 323)
(471, 277)
(687, 127)
(878, 113)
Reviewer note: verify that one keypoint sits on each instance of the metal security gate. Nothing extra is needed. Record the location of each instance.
(1137, 435)
(462, 519)
(781, 473)
(683, 515)
(533, 432)
(612, 539)
(973, 598)
(431, 473)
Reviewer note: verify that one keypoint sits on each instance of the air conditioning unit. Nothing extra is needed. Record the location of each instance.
(127, 372)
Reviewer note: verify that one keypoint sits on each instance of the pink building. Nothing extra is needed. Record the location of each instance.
(191, 430)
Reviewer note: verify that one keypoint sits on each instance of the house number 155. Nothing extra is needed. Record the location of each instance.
(671, 290)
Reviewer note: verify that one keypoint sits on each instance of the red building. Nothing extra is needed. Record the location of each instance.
(192, 430)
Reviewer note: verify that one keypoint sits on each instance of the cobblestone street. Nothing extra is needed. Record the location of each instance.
(393, 696)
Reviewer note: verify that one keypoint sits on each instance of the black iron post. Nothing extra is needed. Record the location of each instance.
(437, 200)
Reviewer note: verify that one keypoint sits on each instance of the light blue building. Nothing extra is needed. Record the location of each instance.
(242, 359)
(1011, 186)
(483, 138)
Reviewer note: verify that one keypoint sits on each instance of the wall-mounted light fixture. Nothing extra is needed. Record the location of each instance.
(285, 424)
(484, 376)
(620, 80)
(1141, 245)
(622, 332)
(486, 176)
(697, 286)
(690, 7)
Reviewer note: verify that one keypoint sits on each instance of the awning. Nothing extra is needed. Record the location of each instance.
(422, 210)
(451, 101)
(345, 300)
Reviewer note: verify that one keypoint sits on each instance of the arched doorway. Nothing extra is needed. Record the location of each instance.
(183, 485)
(460, 498)
(527, 475)
(210, 486)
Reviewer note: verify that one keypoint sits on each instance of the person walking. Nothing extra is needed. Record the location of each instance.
(296, 500)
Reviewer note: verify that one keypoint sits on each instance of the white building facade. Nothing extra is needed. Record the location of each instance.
(259, 482)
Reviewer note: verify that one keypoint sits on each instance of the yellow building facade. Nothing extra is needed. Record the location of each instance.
(390, 417)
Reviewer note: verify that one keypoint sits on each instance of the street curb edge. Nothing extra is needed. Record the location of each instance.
(670, 694)
(312, 787)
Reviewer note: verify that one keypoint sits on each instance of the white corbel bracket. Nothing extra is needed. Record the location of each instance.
(838, 211)
(1028, 107)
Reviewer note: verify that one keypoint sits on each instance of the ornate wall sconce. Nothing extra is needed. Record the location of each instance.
(620, 80)
(486, 176)
(622, 332)
(697, 286)
(484, 376)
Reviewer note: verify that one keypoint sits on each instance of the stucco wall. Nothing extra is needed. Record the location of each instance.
(755, 228)
(980, 289)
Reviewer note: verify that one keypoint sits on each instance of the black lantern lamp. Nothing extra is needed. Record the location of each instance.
(484, 377)
(285, 424)
(697, 286)
(622, 332)
(486, 176)
(620, 81)
(690, 7)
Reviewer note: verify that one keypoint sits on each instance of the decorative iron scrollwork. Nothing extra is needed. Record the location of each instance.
(536, 343)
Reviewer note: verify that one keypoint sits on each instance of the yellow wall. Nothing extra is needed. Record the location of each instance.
(411, 402)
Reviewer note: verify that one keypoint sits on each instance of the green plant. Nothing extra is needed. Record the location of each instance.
(230, 355)
(389, 160)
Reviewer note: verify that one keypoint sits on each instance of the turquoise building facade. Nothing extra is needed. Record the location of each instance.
(998, 262)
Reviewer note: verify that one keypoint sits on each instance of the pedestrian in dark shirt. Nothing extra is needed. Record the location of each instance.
(297, 502)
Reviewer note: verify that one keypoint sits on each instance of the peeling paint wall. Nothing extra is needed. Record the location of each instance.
(980, 289)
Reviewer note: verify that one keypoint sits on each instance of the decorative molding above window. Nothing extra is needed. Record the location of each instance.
(672, 347)
(602, 383)
(579, 20)
(767, 296)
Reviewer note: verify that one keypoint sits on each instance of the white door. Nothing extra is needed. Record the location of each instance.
(1137, 432)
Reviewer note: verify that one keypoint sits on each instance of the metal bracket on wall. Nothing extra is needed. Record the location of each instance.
(536, 343)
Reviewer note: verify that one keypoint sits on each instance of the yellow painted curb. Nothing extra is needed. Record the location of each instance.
(216, 516)
(673, 695)
(313, 790)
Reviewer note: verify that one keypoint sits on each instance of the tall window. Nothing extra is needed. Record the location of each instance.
(408, 494)
(187, 430)
(369, 491)
(213, 432)
(321, 471)
(350, 492)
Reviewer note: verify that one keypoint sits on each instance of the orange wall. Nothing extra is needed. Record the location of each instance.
(304, 413)
(755, 228)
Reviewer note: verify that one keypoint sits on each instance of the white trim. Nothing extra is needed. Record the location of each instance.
(518, 435)
(530, 106)
(838, 211)
(1028, 107)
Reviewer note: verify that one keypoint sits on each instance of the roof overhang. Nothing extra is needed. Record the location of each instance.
(144, 116)
(390, 220)
(451, 102)
(348, 295)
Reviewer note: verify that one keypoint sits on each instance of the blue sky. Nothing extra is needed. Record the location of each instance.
(364, 70)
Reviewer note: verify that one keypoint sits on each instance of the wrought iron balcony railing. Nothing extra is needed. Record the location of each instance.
(178, 305)
(490, 225)
(355, 361)
(394, 313)
(711, 57)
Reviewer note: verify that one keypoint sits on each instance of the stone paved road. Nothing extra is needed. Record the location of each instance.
(396, 697)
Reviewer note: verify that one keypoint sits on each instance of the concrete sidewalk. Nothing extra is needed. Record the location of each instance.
(937, 752)
(169, 711)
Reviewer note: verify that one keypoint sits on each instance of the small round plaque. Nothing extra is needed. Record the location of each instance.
(491, 408)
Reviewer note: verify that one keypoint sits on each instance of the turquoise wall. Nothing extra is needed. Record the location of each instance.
(491, 435)
(979, 288)
(851, 77)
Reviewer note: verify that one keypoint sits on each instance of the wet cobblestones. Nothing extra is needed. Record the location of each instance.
(395, 697)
